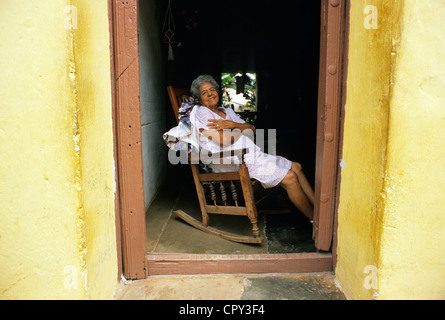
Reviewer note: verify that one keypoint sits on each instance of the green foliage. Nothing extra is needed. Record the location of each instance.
(228, 82)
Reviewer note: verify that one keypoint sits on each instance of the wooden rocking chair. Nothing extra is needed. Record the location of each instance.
(230, 203)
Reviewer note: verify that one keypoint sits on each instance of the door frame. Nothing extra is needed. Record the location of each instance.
(134, 262)
(331, 95)
(130, 215)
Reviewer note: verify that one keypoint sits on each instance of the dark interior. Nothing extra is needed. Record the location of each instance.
(279, 41)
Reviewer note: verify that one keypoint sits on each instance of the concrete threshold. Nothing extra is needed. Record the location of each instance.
(308, 286)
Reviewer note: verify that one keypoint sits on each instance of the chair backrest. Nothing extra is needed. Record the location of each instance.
(177, 97)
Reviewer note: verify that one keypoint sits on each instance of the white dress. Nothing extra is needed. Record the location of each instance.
(268, 169)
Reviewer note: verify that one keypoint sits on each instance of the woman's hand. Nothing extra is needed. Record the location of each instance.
(221, 124)
(218, 131)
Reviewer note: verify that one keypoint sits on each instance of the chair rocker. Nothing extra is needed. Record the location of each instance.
(227, 200)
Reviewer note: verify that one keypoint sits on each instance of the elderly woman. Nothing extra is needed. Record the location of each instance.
(220, 129)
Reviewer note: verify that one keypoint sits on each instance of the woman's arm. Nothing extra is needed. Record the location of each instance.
(227, 131)
(229, 124)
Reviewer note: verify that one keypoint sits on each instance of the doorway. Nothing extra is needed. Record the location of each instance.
(237, 38)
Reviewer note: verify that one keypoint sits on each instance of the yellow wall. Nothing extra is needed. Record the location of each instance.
(412, 254)
(57, 229)
(93, 85)
(391, 228)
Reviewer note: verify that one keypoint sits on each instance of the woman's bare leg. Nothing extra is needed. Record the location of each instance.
(296, 194)
(305, 185)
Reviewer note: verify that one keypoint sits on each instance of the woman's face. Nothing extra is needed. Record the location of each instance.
(209, 95)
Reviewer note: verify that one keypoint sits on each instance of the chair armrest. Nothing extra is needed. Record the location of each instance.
(218, 155)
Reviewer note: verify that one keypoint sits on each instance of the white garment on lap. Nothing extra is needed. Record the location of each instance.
(268, 169)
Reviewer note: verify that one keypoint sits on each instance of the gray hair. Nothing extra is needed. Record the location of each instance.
(196, 84)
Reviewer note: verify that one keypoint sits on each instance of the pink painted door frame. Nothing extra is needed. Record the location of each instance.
(130, 215)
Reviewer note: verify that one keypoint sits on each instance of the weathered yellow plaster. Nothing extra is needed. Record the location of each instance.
(57, 228)
(365, 138)
(412, 254)
(391, 227)
(39, 236)
(95, 126)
